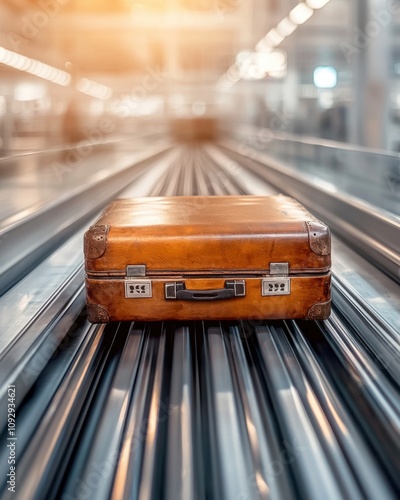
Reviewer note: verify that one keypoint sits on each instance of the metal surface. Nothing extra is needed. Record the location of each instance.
(224, 410)
(371, 175)
(135, 289)
(279, 268)
(40, 228)
(136, 270)
(275, 286)
(374, 232)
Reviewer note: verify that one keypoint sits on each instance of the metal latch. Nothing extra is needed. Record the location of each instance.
(136, 271)
(279, 268)
(279, 282)
(137, 288)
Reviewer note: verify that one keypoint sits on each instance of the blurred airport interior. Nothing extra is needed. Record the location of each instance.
(101, 99)
(326, 69)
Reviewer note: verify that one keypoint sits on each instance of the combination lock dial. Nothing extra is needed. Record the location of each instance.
(275, 286)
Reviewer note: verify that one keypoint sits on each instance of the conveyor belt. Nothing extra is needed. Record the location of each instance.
(236, 410)
(38, 228)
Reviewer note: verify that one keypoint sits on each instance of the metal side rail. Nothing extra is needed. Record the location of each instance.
(369, 304)
(24, 242)
(234, 410)
(373, 232)
(33, 180)
(38, 314)
(58, 413)
(369, 174)
(368, 299)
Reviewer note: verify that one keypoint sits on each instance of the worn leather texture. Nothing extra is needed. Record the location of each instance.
(207, 235)
(204, 241)
(307, 293)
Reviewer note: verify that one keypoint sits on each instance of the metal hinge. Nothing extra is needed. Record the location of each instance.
(135, 271)
(279, 282)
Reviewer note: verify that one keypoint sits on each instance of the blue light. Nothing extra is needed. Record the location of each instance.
(325, 77)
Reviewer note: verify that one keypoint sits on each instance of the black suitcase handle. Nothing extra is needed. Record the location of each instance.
(178, 291)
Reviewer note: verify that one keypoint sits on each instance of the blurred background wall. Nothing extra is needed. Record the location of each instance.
(72, 70)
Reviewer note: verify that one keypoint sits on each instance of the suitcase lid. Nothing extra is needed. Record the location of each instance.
(207, 235)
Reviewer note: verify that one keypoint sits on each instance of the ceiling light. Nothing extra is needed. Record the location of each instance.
(248, 68)
(274, 37)
(263, 46)
(93, 89)
(33, 67)
(286, 27)
(233, 73)
(243, 57)
(29, 90)
(253, 72)
(316, 4)
(301, 13)
(325, 77)
(272, 61)
(256, 65)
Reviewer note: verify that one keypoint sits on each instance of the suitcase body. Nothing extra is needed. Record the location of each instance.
(211, 257)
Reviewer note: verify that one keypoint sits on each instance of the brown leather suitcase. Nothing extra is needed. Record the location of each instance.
(211, 257)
